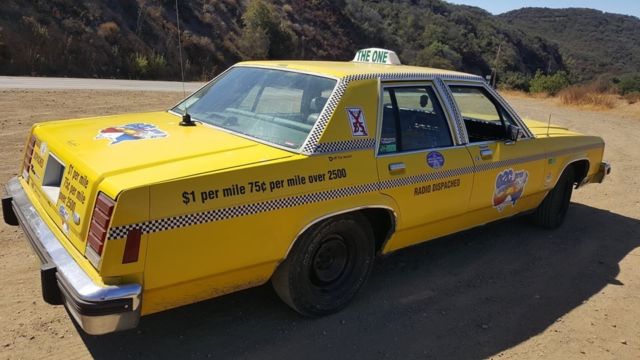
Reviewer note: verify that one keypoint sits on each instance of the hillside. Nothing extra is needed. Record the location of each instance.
(439, 34)
(591, 42)
(132, 39)
(138, 39)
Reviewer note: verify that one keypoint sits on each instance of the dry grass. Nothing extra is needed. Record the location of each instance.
(632, 98)
(628, 110)
(523, 94)
(587, 96)
(626, 106)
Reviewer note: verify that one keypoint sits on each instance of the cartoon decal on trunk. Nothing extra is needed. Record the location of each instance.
(135, 131)
(509, 187)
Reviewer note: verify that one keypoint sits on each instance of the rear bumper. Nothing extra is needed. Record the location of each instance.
(97, 308)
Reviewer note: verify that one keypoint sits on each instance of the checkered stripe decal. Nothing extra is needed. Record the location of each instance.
(312, 145)
(573, 150)
(503, 163)
(242, 210)
(417, 179)
(345, 145)
(277, 204)
(323, 120)
(293, 201)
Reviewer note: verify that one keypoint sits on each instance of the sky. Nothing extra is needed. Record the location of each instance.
(626, 7)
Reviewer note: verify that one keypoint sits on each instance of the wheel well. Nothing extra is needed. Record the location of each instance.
(581, 169)
(381, 220)
(383, 224)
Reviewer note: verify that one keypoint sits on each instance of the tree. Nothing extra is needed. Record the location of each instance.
(265, 34)
(439, 55)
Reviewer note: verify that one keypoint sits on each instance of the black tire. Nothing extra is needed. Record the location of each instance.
(327, 266)
(553, 209)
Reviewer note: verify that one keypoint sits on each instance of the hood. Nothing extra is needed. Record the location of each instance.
(539, 128)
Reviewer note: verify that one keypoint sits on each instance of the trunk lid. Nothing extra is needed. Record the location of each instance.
(72, 157)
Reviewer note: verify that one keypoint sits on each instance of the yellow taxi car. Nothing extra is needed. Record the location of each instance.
(294, 172)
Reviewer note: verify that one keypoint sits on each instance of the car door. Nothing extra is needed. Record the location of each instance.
(428, 175)
(509, 170)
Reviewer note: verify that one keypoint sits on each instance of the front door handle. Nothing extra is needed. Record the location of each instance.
(396, 168)
(486, 153)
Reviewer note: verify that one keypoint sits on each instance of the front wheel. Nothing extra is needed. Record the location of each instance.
(553, 209)
(327, 266)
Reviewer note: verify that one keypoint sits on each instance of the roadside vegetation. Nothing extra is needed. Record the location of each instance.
(606, 92)
(536, 51)
(139, 39)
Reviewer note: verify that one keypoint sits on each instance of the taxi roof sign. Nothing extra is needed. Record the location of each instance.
(377, 56)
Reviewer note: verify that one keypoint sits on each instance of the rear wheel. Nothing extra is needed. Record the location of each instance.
(553, 209)
(327, 266)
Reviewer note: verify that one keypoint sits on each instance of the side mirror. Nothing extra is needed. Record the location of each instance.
(514, 132)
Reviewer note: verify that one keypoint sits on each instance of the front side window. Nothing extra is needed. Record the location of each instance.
(484, 118)
(275, 106)
(412, 119)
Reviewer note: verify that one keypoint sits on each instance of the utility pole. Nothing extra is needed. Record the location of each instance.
(494, 73)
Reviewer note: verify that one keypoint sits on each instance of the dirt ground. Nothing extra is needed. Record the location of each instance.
(506, 290)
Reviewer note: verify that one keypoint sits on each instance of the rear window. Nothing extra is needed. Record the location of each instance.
(276, 106)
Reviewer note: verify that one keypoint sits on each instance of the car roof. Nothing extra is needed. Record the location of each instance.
(340, 69)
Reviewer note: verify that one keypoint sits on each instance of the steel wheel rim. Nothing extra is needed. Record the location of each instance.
(330, 261)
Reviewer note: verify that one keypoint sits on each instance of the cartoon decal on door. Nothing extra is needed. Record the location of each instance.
(509, 187)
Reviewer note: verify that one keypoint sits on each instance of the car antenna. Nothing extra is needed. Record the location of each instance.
(186, 118)
(548, 124)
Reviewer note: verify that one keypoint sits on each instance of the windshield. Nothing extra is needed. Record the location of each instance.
(276, 106)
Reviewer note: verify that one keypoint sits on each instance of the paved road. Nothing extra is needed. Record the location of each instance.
(25, 82)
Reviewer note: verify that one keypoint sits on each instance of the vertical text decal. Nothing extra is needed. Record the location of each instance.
(357, 122)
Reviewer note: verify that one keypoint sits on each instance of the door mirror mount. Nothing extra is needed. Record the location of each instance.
(514, 132)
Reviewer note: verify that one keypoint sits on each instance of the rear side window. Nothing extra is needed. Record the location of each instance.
(412, 119)
(484, 118)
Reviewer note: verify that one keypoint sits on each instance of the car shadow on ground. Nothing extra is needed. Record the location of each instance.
(470, 295)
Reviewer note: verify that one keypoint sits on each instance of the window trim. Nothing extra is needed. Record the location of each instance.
(526, 133)
(449, 118)
(396, 115)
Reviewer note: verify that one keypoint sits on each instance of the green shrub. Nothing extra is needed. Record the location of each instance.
(514, 81)
(632, 97)
(550, 84)
(149, 67)
(629, 84)
(140, 64)
(157, 65)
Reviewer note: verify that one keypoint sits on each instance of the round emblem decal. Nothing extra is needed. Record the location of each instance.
(435, 160)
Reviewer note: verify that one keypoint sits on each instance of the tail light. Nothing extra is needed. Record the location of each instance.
(27, 157)
(98, 228)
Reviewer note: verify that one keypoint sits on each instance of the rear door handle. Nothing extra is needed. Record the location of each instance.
(486, 153)
(397, 168)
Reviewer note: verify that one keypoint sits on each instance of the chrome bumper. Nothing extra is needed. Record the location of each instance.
(603, 172)
(97, 308)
